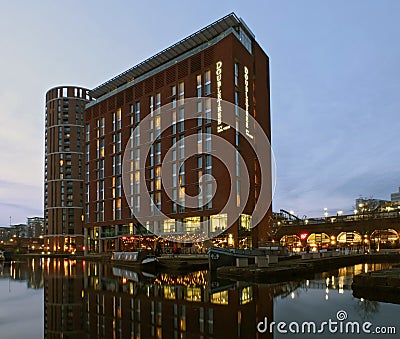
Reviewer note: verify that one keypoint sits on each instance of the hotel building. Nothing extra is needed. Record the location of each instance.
(220, 61)
(64, 168)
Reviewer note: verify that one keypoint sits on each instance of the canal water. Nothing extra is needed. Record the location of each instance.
(62, 298)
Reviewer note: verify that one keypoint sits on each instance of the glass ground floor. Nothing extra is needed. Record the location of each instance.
(189, 235)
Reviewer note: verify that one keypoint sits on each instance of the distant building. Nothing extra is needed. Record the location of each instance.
(35, 227)
(395, 197)
(7, 232)
(370, 205)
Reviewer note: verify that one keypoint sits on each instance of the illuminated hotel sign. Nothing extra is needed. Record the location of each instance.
(246, 96)
(220, 127)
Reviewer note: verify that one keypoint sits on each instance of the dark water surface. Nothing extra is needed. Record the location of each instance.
(57, 298)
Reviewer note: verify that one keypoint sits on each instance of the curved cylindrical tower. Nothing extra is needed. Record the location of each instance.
(64, 168)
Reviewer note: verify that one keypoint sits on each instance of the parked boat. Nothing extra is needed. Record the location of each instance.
(218, 256)
(141, 259)
(131, 275)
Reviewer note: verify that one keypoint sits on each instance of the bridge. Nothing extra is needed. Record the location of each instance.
(375, 227)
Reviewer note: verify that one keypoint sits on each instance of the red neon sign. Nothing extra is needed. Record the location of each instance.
(303, 236)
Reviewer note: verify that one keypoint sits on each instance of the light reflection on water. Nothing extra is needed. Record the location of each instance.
(84, 299)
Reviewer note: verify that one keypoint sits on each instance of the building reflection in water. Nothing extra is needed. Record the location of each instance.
(126, 304)
(29, 271)
(94, 300)
(336, 281)
(64, 298)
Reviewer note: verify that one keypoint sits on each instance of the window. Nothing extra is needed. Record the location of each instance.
(117, 208)
(246, 295)
(116, 164)
(236, 103)
(117, 120)
(218, 222)
(158, 153)
(209, 190)
(182, 174)
(220, 298)
(237, 133)
(208, 139)
(207, 111)
(245, 222)
(173, 122)
(181, 120)
(87, 132)
(181, 147)
(198, 80)
(207, 82)
(192, 224)
(151, 104)
(169, 226)
(158, 100)
(245, 40)
(100, 168)
(236, 72)
(100, 127)
(174, 181)
(100, 148)
(199, 141)
(181, 90)
(157, 122)
(237, 165)
(135, 110)
(237, 193)
(100, 190)
(208, 161)
(117, 142)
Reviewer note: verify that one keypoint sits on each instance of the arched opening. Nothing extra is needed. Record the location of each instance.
(318, 240)
(292, 242)
(349, 238)
(384, 239)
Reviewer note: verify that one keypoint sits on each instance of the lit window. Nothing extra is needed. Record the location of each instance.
(218, 222)
(169, 226)
(181, 90)
(207, 82)
(245, 222)
(220, 298)
(198, 80)
(246, 295)
(192, 224)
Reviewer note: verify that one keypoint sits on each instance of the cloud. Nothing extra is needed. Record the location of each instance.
(19, 201)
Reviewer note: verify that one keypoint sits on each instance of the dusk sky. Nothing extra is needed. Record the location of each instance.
(335, 83)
